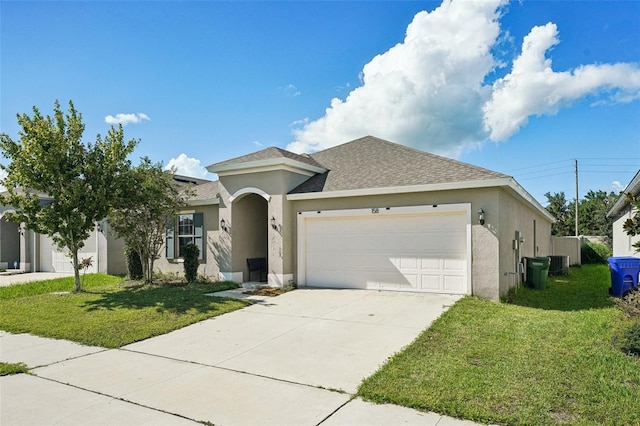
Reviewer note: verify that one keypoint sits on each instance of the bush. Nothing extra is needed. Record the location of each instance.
(191, 253)
(630, 303)
(593, 253)
(631, 339)
(134, 264)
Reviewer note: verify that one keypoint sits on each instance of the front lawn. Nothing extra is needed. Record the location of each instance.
(545, 358)
(108, 312)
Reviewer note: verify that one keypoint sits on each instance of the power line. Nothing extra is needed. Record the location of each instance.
(569, 163)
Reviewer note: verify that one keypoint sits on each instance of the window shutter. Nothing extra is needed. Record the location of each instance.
(169, 241)
(198, 233)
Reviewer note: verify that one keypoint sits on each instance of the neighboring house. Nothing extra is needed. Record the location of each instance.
(33, 252)
(366, 214)
(620, 212)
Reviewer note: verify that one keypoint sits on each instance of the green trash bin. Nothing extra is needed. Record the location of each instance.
(537, 272)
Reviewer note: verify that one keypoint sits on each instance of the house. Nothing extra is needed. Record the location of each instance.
(367, 214)
(620, 212)
(28, 251)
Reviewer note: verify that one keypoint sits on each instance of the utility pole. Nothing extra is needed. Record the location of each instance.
(576, 203)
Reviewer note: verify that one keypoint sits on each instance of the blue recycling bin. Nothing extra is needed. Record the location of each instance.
(624, 274)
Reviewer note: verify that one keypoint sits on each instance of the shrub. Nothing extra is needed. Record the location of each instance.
(593, 253)
(630, 303)
(191, 253)
(134, 265)
(631, 339)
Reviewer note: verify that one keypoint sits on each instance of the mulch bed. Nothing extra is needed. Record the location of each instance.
(266, 291)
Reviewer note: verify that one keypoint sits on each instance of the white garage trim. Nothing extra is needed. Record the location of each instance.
(462, 211)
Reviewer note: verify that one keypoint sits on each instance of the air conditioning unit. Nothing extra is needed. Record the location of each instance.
(559, 265)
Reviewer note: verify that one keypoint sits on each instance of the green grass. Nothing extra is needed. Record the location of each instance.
(108, 313)
(8, 368)
(545, 358)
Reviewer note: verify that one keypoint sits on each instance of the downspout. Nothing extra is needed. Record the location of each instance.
(97, 247)
(34, 257)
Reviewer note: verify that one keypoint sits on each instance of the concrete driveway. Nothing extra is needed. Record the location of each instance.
(293, 359)
(16, 277)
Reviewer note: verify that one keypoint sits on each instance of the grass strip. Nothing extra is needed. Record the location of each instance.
(108, 313)
(7, 369)
(535, 362)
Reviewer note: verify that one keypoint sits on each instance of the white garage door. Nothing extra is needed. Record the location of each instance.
(422, 248)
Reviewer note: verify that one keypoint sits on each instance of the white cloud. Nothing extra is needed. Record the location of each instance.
(430, 92)
(426, 91)
(125, 119)
(187, 166)
(534, 88)
(3, 175)
(257, 143)
(617, 186)
(291, 90)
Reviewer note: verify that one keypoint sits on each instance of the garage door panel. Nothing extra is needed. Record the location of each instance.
(454, 283)
(454, 264)
(431, 282)
(417, 252)
(406, 263)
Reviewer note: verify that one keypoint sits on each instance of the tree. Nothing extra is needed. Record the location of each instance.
(562, 211)
(151, 199)
(632, 225)
(84, 181)
(593, 213)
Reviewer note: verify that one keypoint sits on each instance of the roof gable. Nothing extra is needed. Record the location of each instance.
(271, 153)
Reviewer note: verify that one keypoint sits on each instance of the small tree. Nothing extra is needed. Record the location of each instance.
(83, 180)
(632, 225)
(150, 200)
(191, 253)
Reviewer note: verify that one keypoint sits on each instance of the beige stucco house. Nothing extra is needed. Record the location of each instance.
(620, 212)
(27, 251)
(367, 214)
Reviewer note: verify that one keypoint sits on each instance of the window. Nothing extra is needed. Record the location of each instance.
(189, 229)
(185, 232)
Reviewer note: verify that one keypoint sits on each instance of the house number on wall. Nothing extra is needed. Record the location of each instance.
(375, 210)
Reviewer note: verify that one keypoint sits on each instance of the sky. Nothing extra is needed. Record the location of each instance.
(526, 88)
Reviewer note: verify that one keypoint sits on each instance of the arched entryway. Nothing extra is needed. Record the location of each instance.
(249, 235)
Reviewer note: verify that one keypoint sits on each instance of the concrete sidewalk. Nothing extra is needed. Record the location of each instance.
(277, 362)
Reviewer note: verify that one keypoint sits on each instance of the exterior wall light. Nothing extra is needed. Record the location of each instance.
(223, 225)
(273, 223)
(481, 216)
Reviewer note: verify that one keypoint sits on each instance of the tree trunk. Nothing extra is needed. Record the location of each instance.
(76, 271)
(151, 270)
(144, 259)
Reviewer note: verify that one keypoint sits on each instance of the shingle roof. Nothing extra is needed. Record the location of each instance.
(267, 154)
(186, 180)
(371, 162)
(205, 191)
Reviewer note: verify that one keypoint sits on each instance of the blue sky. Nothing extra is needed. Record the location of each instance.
(523, 88)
